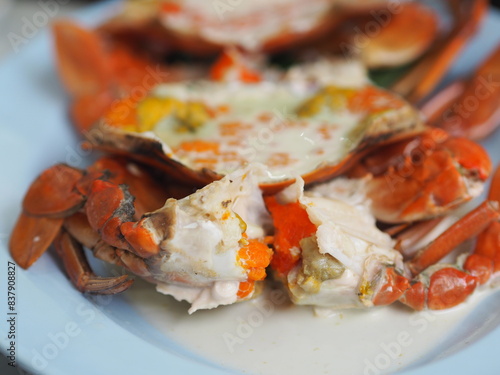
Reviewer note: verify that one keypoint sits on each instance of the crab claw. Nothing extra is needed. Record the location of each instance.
(79, 271)
(108, 206)
(440, 287)
(393, 286)
(31, 237)
(424, 176)
(53, 194)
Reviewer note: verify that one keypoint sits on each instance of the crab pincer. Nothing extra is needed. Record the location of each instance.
(423, 176)
(50, 198)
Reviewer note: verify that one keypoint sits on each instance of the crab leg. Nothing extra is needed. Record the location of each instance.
(486, 257)
(79, 228)
(60, 191)
(54, 193)
(407, 238)
(426, 74)
(394, 285)
(81, 59)
(469, 108)
(78, 269)
(469, 226)
(31, 237)
(109, 209)
(84, 71)
(438, 287)
(441, 286)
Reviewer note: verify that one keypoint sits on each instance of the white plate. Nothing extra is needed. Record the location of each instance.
(60, 331)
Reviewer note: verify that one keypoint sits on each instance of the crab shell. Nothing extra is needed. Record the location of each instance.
(207, 27)
(316, 121)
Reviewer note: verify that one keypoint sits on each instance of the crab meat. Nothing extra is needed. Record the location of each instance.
(200, 239)
(341, 262)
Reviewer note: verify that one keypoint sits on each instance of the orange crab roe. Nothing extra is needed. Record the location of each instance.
(255, 256)
(246, 287)
(199, 146)
(291, 224)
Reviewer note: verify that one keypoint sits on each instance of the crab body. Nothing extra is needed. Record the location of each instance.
(332, 255)
(207, 125)
(201, 248)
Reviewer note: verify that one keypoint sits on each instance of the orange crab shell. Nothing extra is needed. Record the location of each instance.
(196, 34)
(151, 150)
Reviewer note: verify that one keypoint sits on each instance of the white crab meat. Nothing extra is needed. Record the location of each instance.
(199, 260)
(340, 263)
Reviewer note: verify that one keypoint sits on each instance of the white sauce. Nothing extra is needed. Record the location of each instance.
(269, 336)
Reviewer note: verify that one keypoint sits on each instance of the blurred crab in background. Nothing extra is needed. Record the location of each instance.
(252, 99)
(156, 40)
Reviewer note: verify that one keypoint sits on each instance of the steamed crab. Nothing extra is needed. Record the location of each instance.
(312, 122)
(207, 248)
(211, 247)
